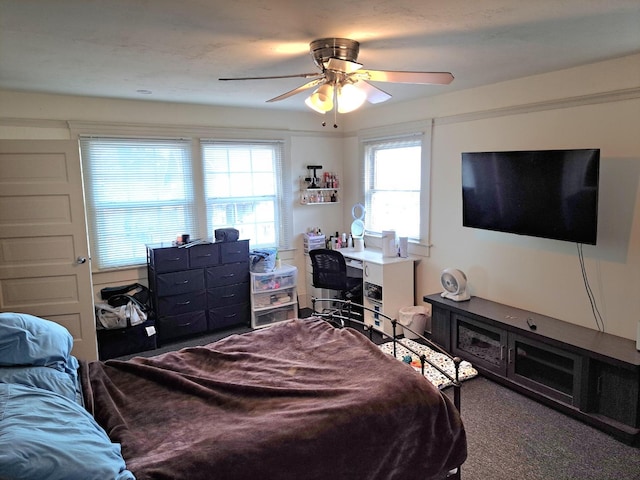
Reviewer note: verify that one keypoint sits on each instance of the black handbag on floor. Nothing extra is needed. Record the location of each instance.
(136, 292)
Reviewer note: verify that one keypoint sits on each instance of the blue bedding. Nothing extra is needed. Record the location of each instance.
(47, 378)
(29, 340)
(45, 431)
(46, 436)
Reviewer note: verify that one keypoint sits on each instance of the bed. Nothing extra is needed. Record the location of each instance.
(301, 399)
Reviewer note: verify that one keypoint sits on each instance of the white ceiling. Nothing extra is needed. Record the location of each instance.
(177, 50)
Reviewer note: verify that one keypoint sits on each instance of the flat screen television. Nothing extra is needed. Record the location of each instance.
(542, 193)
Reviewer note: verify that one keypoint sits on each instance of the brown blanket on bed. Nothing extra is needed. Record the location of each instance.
(298, 400)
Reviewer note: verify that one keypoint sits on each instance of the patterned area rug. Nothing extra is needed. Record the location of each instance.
(434, 376)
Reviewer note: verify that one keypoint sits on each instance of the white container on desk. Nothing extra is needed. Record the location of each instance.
(389, 243)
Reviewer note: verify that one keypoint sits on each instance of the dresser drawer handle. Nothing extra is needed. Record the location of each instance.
(231, 275)
(184, 303)
(177, 259)
(229, 296)
(182, 283)
(184, 324)
(204, 256)
(231, 315)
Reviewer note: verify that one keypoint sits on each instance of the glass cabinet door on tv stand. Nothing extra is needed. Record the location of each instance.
(484, 345)
(552, 371)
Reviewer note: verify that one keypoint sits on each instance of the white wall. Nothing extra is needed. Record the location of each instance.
(314, 150)
(40, 116)
(596, 106)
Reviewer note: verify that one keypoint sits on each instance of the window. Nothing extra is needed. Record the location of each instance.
(243, 189)
(393, 181)
(139, 191)
(148, 191)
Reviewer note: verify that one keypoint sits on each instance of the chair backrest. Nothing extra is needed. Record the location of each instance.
(329, 269)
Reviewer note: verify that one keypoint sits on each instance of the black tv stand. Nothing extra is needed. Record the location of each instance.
(591, 375)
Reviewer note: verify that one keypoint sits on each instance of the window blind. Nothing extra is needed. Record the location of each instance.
(139, 191)
(245, 189)
(393, 182)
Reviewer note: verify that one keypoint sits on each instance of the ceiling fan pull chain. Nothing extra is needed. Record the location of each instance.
(335, 110)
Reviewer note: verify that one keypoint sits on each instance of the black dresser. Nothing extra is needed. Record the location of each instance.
(199, 288)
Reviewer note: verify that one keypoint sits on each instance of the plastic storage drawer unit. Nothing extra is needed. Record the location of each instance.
(273, 299)
(275, 315)
(283, 277)
(274, 296)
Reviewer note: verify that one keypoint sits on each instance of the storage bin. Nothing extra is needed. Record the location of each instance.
(223, 317)
(269, 317)
(232, 252)
(273, 299)
(204, 255)
(175, 283)
(313, 242)
(169, 259)
(181, 325)
(283, 277)
(125, 341)
(228, 295)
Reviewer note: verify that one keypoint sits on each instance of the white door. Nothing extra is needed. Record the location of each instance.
(45, 268)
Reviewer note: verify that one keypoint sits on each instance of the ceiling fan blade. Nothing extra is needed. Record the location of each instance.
(427, 78)
(374, 94)
(344, 66)
(302, 88)
(296, 75)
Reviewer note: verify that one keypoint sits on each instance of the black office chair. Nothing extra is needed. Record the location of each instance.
(330, 271)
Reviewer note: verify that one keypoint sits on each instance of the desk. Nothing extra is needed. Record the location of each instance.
(388, 283)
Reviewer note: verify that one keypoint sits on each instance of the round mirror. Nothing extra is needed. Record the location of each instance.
(357, 211)
(357, 228)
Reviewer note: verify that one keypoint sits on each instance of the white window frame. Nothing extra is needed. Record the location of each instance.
(118, 238)
(277, 192)
(419, 132)
(200, 222)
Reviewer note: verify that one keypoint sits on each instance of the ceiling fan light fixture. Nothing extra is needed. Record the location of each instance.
(321, 100)
(350, 98)
(342, 81)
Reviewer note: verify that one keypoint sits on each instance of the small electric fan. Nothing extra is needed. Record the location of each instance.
(454, 283)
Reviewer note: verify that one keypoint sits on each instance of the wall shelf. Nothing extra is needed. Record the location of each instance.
(322, 195)
(311, 196)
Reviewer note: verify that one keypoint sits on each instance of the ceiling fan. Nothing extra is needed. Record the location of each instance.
(343, 81)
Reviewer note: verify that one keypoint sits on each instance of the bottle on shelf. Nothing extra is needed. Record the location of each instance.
(320, 189)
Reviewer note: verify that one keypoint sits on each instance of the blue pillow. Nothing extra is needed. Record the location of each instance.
(29, 340)
(62, 383)
(46, 436)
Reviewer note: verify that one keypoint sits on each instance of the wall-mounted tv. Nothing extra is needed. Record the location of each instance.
(542, 193)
